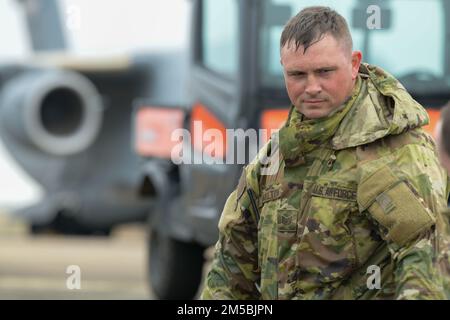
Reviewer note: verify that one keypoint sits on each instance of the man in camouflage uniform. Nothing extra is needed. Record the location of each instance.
(442, 133)
(358, 187)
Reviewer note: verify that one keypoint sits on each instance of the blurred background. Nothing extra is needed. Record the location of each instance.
(33, 261)
(97, 29)
(97, 201)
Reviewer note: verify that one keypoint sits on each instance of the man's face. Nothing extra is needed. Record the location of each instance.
(321, 79)
(443, 157)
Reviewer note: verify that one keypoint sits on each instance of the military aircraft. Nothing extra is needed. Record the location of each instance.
(67, 121)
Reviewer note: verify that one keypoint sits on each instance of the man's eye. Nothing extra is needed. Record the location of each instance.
(324, 71)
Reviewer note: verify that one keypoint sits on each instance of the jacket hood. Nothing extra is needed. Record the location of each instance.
(384, 107)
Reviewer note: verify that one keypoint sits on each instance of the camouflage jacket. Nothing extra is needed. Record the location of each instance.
(356, 214)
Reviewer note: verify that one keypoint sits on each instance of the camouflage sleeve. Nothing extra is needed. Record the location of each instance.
(404, 194)
(234, 273)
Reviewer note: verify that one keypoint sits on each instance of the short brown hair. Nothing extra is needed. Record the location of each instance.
(311, 24)
(445, 129)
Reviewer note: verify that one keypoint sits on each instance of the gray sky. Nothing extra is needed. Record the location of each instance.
(103, 27)
(13, 42)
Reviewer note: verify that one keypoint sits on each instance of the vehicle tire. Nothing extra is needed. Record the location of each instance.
(40, 229)
(66, 224)
(175, 267)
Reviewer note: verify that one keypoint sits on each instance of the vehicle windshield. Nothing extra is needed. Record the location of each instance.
(410, 49)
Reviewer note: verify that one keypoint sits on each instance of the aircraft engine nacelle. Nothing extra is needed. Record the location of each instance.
(66, 121)
(57, 111)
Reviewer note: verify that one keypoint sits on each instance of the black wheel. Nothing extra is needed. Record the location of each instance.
(66, 224)
(38, 229)
(175, 267)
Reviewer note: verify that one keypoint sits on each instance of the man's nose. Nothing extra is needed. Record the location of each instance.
(313, 86)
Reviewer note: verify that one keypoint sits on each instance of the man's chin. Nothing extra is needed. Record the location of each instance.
(315, 112)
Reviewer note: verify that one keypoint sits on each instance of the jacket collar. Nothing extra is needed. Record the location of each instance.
(379, 106)
(384, 108)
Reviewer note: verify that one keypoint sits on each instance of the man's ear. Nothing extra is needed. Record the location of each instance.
(437, 131)
(356, 62)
